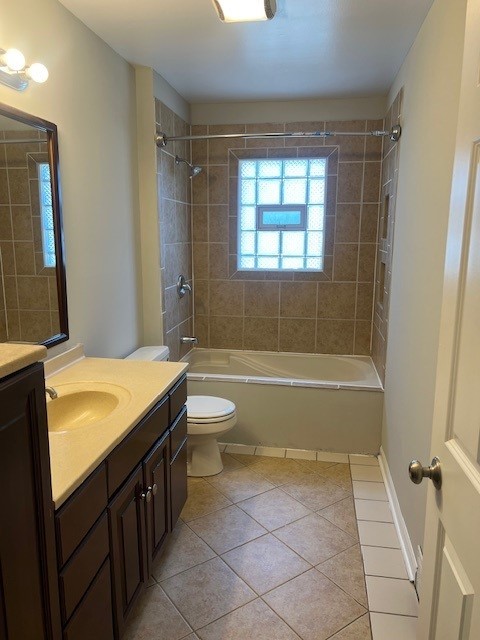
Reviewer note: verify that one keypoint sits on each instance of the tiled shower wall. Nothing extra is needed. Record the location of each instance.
(174, 215)
(385, 241)
(328, 312)
(28, 290)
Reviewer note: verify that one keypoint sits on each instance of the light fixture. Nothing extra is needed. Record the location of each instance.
(245, 10)
(15, 74)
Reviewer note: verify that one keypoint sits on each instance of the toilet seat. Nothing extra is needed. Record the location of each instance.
(209, 409)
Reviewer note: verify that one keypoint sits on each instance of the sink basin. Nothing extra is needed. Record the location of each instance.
(78, 406)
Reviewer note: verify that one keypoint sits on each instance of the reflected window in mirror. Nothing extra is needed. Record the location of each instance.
(46, 214)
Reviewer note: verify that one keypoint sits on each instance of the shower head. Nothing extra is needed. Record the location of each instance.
(194, 169)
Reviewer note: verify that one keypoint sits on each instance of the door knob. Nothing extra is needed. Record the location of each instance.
(154, 489)
(417, 472)
(146, 496)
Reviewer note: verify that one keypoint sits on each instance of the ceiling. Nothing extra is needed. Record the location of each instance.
(311, 49)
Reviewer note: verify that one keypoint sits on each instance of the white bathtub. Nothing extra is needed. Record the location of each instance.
(322, 402)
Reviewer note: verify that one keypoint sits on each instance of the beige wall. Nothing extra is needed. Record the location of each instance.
(90, 95)
(431, 80)
(325, 312)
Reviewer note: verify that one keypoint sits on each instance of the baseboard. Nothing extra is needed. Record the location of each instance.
(398, 521)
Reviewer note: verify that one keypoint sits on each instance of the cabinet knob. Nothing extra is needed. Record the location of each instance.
(146, 495)
(154, 489)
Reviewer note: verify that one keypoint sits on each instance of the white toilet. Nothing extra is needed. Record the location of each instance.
(208, 418)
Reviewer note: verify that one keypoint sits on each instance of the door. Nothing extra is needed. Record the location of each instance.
(126, 514)
(450, 596)
(29, 602)
(156, 477)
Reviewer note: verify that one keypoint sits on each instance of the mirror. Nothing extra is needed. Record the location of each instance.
(33, 297)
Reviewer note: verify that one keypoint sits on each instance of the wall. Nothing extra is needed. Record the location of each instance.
(90, 95)
(30, 288)
(328, 312)
(430, 76)
(174, 220)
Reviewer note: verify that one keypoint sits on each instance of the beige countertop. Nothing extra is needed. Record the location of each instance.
(14, 357)
(76, 453)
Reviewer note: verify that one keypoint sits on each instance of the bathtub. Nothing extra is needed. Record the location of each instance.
(298, 401)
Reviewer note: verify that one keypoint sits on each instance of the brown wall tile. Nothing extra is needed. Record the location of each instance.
(297, 336)
(336, 300)
(261, 334)
(226, 332)
(345, 262)
(363, 334)
(350, 178)
(226, 298)
(298, 299)
(262, 299)
(335, 336)
(347, 223)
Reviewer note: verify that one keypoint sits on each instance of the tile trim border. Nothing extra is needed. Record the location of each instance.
(398, 519)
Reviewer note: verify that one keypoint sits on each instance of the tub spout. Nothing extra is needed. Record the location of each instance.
(189, 340)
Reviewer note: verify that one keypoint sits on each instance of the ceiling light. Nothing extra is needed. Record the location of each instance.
(13, 59)
(37, 72)
(245, 10)
(15, 74)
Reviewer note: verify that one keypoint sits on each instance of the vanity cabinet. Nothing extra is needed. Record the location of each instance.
(112, 528)
(29, 608)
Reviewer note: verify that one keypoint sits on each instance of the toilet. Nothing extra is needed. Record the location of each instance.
(208, 418)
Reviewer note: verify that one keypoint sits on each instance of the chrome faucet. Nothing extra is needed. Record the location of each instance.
(51, 392)
(189, 340)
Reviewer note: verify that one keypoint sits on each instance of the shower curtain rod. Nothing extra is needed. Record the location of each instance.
(394, 134)
(22, 141)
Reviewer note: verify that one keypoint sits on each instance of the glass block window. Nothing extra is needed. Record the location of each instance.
(46, 214)
(281, 211)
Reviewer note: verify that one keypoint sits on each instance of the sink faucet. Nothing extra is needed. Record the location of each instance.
(189, 340)
(51, 392)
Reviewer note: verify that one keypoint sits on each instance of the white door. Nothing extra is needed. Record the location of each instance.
(450, 593)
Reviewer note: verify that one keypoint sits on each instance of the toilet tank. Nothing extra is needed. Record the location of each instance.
(150, 353)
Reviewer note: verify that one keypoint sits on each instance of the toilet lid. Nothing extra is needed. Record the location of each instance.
(204, 407)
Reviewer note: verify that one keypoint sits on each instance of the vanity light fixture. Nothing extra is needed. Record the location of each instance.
(16, 74)
(245, 10)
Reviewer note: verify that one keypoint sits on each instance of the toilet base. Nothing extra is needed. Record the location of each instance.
(204, 457)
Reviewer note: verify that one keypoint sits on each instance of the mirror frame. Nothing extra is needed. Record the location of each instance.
(53, 158)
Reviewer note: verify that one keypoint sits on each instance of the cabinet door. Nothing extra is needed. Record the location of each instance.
(156, 479)
(178, 486)
(128, 546)
(29, 601)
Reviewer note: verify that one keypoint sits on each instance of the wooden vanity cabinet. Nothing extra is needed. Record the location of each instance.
(139, 491)
(29, 608)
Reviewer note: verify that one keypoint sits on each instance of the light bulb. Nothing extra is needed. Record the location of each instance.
(38, 72)
(14, 59)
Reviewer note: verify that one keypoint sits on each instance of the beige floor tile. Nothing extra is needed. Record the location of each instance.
(387, 563)
(328, 456)
(378, 534)
(271, 452)
(314, 538)
(183, 551)
(316, 492)
(364, 460)
(226, 529)
(346, 570)
(207, 592)
(313, 606)
(368, 474)
(274, 509)
(191, 636)
(265, 563)
(389, 595)
(254, 620)
(373, 510)
(280, 471)
(192, 480)
(203, 498)
(369, 490)
(340, 474)
(230, 463)
(240, 484)
(391, 627)
(358, 630)
(301, 454)
(155, 618)
(247, 459)
(316, 466)
(342, 514)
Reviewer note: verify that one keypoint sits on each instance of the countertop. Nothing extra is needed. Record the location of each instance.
(76, 453)
(14, 357)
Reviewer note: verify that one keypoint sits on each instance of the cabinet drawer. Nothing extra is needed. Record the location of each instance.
(76, 517)
(93, 618)
(178, 433)
(178, 484)
(128, 454)
(178, 397)
(83, 567)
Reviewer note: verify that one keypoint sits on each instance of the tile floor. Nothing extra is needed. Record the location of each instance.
(282, 545)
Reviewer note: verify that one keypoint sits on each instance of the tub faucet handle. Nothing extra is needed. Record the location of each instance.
(51, 392)
(191, 340)
(182, 286)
